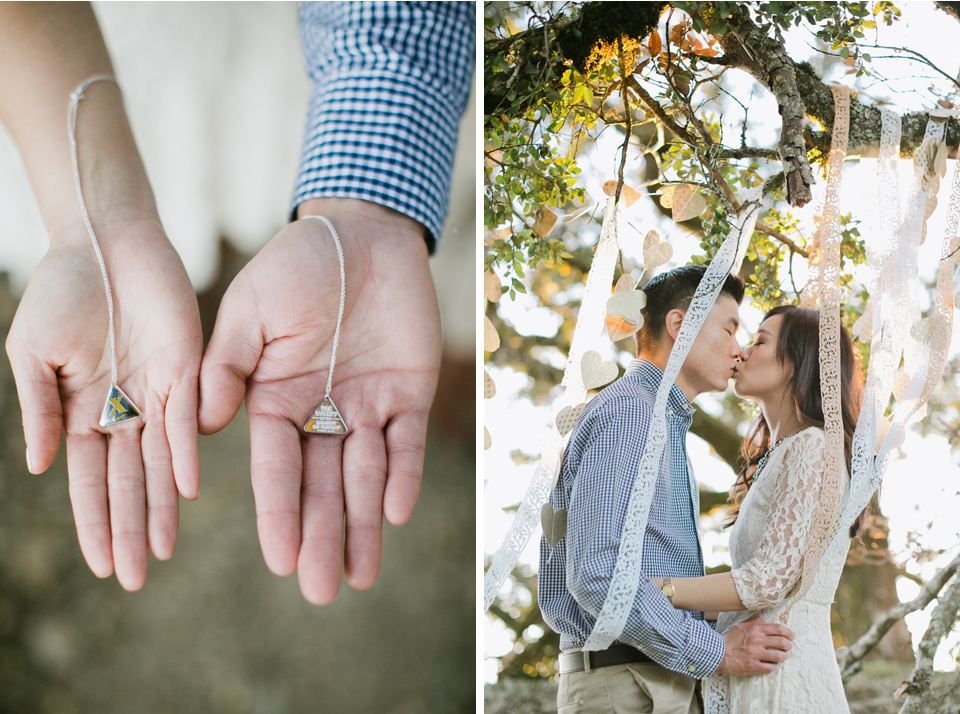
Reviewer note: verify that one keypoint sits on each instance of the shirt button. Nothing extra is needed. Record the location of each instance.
(692, 668)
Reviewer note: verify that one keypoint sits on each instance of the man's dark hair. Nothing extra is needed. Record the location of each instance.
(671, 291)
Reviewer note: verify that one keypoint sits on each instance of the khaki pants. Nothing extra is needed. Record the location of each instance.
(641, 688)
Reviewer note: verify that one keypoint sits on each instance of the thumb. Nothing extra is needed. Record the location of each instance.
(40, 405)
(228, 361)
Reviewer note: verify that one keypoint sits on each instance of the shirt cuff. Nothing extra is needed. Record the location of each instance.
(372, 136)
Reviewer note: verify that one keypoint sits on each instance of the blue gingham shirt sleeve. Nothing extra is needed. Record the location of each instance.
(390, 81)
(676, 639)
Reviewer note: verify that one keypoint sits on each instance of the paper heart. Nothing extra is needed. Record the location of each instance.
(628, 194)
(655, 251)
(545, 221)
(489, 388)
(595, 371)
(900, 384)
(486, 439)
(922, 330)
(686, 203)
(567, 418)
(666, 195)
(625, 284)
(628, 305)
(491, 340)
(882, 428)
(491, 286)
(554, 524)
(863, 328)
(502, 234)
(617, 327)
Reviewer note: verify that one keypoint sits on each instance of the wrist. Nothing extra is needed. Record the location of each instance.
(353, 208)
(112, 177)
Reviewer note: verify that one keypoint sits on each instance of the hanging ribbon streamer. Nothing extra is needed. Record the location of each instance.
(828, 292)
(896, 310)
(626, 575)
(589, 324)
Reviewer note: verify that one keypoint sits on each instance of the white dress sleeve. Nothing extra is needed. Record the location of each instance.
(775, 569)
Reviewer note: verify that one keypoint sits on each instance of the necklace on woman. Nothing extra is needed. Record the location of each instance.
(763, 459)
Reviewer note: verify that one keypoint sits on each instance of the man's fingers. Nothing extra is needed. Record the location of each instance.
(406, 443)
(779, 643)
(364, 474)
(128, 507)
(229, 360)
(321, 501)
(163, 508)
(42, 411)
(180, 420)
(87, 470)
(275, 468)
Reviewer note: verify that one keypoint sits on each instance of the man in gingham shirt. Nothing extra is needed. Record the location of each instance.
(390, 81)
(662, 651)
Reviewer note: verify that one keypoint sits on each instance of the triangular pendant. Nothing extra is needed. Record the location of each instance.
(326, 419)
(118, 408)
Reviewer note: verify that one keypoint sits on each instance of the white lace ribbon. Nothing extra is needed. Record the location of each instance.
(626, 575)
(895, 311)
(589, 324)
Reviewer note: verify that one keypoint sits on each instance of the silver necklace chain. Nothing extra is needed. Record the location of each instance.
(343, 293)
(763, 459)
(75, 97)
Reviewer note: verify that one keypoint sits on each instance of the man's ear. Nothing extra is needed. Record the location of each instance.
(673, 321)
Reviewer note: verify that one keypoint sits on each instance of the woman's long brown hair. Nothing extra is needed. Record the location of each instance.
(799, 344)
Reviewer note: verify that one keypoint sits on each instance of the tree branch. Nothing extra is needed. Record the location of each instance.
(849, 659)
(777, 235)
(771, 65)
(918, 686)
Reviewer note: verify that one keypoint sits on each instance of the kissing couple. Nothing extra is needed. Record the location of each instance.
(759, 642)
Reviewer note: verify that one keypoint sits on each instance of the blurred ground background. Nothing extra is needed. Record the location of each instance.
(216, 93)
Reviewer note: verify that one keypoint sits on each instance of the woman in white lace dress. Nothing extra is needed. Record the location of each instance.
(777, 495)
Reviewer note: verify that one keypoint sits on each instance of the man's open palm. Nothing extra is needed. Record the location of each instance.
(272, 343)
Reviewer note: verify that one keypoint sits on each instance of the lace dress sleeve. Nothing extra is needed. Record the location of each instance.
(775, 569)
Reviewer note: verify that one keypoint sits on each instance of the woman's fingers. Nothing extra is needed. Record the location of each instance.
(87, 469)
(163, 506)
(180, 421)
(128, 506)
(40, 406)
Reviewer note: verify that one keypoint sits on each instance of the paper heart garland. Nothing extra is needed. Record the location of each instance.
(567, 418)
(489, 388)
(554, 524)
(486, 439)
(491, 340)
(595, 371)
(655, 251)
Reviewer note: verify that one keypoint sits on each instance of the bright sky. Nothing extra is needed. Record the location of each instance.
(921, 489)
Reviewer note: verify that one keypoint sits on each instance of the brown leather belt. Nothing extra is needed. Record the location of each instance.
(585, 661)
